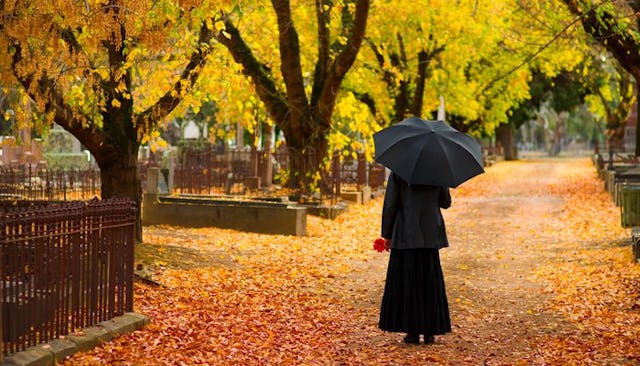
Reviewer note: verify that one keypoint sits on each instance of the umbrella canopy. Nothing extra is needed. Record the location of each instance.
(428, 152)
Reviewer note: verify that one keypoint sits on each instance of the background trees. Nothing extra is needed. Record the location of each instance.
(613, 24)
(299, 90)
(327, 73)
(478, 56)
(108, 72)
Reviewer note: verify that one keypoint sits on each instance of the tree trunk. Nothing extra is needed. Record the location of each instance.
(401, 102)
(504, 134)
(305, 122)
(306, 161)
(120, 179)
(637, 92)
(418, 94)
(556, 145)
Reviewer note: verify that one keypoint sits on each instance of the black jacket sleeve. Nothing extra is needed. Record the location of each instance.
(390, 207)
(445, 197)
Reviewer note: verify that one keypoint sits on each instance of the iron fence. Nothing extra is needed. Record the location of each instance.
(236, 172)
(354, 173)
(27, 183)
(218, 172)
(227, 172)
(64, 266)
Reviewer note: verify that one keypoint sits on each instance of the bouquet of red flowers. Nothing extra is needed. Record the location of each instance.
(380, 245)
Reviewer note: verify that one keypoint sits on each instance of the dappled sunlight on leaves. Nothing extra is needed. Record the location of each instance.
(538, 272)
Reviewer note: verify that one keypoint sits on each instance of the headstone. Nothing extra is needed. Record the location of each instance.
(635, 239)
(163, 187)
(8, 153)
(171, 167)
(153, 177)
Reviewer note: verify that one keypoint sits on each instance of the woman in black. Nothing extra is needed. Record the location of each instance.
(414, 300)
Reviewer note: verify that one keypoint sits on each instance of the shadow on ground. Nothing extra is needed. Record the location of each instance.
(150, 259)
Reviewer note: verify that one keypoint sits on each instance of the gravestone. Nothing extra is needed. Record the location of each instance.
(156, 182)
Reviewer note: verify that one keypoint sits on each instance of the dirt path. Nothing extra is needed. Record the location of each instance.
(499, 237)
(498, 240)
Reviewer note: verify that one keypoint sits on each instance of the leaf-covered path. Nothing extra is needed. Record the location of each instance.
(539, 272)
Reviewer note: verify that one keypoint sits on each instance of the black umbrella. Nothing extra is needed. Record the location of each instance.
(428, 152)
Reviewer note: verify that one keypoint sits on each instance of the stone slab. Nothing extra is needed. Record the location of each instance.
(120, 325)
(103, 334)
(362, 196)
(60, 348)
(327, 212)
(140, 320)
(35, 356)
(56, 350)
(259, 217)
(352, 196)
(83, 342)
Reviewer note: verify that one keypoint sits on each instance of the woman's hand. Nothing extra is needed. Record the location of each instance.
(387, 244)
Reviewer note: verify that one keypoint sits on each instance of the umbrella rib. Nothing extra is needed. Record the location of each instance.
(399, 141)
(415, 164)
(446, 155)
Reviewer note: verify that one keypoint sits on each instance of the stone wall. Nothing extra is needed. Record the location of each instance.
(259, 217)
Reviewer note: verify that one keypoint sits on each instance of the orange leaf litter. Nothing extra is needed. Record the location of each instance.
(314, 300)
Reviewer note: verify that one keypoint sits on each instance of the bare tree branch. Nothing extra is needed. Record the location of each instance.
(344, 61)
(189, 76)
(531, 56)
(259, 73)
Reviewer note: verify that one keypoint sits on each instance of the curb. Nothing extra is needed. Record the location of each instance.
(48, 354)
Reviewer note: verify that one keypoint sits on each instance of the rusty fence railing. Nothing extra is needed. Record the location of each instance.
(229, 172)
(354, 173)
(40, 183)
(63, 266)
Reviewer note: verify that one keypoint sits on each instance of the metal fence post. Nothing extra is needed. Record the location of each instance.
(362, 171)
(335, 172)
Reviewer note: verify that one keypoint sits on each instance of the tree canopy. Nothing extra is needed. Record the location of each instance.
(327, 73)
(613, 24)
(106, 71)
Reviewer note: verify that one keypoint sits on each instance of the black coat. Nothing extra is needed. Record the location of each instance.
(411, 215)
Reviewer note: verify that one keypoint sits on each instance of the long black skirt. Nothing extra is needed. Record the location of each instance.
(414, 299)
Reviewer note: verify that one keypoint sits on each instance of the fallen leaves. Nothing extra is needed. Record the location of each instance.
(535, 275)
(594, 279)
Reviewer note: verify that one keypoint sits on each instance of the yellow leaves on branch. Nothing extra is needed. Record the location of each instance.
(352, 128)
(154, 140)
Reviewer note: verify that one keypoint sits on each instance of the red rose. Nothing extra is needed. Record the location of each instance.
(380, 245)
